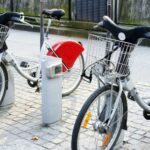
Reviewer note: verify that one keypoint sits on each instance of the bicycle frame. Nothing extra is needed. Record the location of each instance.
(127, 85)
(8, 58)
(68, 50)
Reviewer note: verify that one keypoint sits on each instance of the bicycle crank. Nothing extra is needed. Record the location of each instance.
(30, 83)
(146, 114)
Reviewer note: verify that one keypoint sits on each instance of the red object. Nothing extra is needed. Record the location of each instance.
(68, 51)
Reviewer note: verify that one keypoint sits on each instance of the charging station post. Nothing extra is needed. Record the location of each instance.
(51, 90)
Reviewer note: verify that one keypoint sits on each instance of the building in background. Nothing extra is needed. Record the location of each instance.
(89, 10)
(130, 11)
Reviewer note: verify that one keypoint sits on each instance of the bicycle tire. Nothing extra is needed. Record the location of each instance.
(83, 111)
(70, 88)
(3, 82)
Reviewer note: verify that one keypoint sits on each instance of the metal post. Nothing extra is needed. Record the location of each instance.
(109, 4)
(42, 22)
(116, 11)
(11, 5)
(69, 9)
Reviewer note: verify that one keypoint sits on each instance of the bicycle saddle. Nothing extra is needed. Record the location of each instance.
(125, 34)
(55, 13)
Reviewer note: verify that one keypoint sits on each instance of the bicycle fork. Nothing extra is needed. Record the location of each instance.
(116, 103)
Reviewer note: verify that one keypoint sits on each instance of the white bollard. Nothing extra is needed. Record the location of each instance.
(10, 92)
(51, 89)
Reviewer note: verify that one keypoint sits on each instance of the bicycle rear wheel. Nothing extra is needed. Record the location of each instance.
(72, 78)
(3, 82)
(88, 132)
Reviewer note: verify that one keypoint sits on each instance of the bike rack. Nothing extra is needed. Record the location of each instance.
(10, 92)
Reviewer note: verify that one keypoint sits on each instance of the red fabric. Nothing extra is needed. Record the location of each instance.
(68, 51)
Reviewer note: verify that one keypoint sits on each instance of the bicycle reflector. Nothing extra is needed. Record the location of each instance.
(106, 139)
(86, 121)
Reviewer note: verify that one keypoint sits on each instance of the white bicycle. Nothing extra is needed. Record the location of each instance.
(69, 51)
(104, 114)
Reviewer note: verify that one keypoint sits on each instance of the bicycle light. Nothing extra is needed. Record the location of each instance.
(53, 70)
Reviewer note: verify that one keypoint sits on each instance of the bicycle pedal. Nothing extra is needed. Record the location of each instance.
(146, 114)
(24, 64)
(130, 97)
(31, 83)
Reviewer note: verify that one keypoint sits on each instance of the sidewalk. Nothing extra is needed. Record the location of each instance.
(21, 128)
(20, 125)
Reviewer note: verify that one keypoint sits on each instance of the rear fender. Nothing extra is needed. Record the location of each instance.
(68, 50)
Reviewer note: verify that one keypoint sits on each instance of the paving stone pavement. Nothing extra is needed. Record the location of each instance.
(21, 125)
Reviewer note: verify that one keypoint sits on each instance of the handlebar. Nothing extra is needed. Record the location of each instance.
(14, 17)
(23, 18)
(131, 35)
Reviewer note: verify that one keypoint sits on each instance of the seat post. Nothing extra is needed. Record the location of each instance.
(48, 27)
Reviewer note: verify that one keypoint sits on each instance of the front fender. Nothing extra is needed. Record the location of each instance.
(1, 57)
(68, 50)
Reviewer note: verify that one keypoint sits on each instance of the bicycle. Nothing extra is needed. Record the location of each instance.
(103, 116)
(69, 51)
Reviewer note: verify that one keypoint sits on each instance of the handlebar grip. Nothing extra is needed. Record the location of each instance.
(100, 24)
(30, 18)
(96, 26)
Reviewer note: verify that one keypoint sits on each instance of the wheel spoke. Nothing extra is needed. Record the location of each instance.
(72, 78)
(93, 132)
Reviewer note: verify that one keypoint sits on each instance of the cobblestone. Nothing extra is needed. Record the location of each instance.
(49, 145)
(23, 121)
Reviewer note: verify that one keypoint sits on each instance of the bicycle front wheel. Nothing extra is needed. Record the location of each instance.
(3, 82)
(72, 78)
(89, 131)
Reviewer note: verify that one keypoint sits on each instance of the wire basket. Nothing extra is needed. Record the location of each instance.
(3, 34)
(108, 56)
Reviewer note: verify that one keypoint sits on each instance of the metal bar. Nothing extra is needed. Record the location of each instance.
(41, 24)
(138, 99)
(116, 103)
(11, 5)
(48, 26)
(109, 4)
(69, 10)
(8, 58)
(59, 57)
(116, 11)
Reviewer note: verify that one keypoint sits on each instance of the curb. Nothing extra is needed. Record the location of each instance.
(142, 84)
(55, 30)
